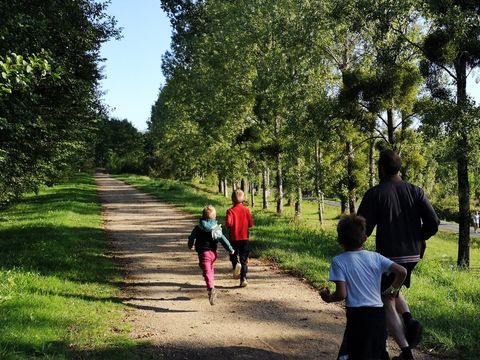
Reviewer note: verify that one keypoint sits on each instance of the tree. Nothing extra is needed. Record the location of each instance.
(120, 147)
(452, 50)
(50, 112)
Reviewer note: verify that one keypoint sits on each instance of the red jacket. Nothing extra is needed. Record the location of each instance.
(238, 221)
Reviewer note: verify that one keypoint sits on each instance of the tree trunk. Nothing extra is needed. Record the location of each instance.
(268, 181)
(244, 187)
(351, 180)
(463, 260)
(252, 194)
(298, 202)
(225, 187)
(265, 189)
(318, 187)
(279, 184)
(343, 204)
(391, 128)
(371, 163)
(220, 184)
(289, 200)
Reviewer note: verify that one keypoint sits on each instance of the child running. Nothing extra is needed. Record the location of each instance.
(204, 238)
(238, 221)
(357, 275)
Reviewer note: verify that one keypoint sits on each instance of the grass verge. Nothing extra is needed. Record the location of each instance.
(57, 294)
(444, 299)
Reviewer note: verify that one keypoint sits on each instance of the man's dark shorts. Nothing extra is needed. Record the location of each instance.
(387, 279)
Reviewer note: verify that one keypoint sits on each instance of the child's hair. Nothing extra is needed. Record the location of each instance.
(209, 212)
(238, 196)
(351, 231)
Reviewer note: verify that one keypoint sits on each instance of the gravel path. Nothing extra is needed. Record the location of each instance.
(276, 317)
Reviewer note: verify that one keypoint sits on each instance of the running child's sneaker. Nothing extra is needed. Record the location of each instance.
(237, 271)
(212, 296)
(244, 283)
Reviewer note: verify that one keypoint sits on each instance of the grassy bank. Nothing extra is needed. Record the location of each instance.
(57, 294)
(444, 299)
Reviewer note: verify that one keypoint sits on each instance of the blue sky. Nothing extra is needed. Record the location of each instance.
(133, 66)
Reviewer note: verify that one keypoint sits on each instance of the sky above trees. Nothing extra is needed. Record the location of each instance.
(132, 69)
(133, 64)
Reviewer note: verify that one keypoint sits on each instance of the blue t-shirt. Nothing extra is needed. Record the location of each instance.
(362, 272)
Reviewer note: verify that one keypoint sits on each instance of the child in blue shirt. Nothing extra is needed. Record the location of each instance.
(357, 275)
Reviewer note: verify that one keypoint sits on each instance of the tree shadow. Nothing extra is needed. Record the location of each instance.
(73, 253)
(150, 352)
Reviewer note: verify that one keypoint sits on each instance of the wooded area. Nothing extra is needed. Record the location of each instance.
(50, 107)
(299, 96)
(307, 93)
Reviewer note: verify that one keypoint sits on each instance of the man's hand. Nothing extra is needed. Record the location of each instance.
(233, 252)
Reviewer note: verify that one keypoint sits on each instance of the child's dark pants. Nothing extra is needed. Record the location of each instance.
(366, 333)
(242, 250)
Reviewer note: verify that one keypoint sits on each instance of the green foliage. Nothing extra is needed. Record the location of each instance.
(49, 99)
(19, 73)
(310, 91)
(120, 147)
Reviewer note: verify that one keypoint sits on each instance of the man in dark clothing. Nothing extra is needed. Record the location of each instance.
(405, 219)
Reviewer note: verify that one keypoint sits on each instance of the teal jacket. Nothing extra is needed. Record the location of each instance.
(206, 235)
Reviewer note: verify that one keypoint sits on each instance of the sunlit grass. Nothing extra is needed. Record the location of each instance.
(444, 299)
(58, 298)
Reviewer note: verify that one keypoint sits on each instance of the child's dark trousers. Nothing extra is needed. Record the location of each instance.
(242, 251)
(366, 333)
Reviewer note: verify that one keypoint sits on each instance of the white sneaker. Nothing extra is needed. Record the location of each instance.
(237, 271)
(244, 283)
(212, 296)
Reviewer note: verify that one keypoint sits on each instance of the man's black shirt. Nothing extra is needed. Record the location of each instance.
(404, 218)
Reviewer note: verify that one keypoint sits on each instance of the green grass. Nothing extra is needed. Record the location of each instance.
(444, 299)
(58, 298)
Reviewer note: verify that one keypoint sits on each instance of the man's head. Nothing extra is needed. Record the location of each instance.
(209, 212)
(238, 196)
(351, 232)
(389, 164)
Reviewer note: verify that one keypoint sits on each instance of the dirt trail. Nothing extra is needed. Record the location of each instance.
(275, 317)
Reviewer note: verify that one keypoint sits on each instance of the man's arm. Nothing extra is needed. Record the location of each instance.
(429, 217)
(368, 210)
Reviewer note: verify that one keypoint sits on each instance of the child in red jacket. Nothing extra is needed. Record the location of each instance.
(238, 221)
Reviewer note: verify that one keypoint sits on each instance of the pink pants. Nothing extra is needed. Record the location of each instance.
(206, 261)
